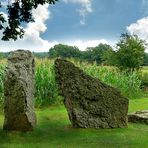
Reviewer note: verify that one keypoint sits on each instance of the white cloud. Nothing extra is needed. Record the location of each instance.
(41, 14)
(86, 7)
(140, 28)
(4, 3)
(82, 45)
(32, 39)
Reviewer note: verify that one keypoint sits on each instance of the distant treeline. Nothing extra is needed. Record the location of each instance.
(129, 53)
(101, 54)
(98, 54)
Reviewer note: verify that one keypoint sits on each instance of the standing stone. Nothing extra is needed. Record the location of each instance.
(89, 102)
(19, 92)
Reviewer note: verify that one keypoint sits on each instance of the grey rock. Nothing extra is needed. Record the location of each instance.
(139, 117)
(19, 92)
(90, 103)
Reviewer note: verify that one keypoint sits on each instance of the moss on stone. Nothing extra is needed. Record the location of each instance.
(90, 103)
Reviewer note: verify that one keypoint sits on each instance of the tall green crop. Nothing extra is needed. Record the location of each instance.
(128, 83)
(46, 87)
(47, 91)
(2, 67)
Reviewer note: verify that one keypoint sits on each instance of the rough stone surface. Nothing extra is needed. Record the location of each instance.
(89, 102)
(139, 117)
(19, 92)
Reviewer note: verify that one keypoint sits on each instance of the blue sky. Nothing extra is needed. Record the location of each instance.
(107, 20)
(83, 23)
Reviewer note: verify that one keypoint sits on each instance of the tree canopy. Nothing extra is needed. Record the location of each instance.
(98, 53)
(64, 51)
(130, 53)
(18, 11)
(145, 59)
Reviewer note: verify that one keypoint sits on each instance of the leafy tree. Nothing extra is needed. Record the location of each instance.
(130, 52)
(41, 54)
(98, 53)
(145, 59)
(87, 55)
(109, 58)
(64, 51)
(19, 11)
(1, 56)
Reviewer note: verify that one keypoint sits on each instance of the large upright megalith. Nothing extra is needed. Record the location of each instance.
(90, 103)
(19, 92)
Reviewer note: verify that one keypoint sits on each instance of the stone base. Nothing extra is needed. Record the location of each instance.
(139, 117)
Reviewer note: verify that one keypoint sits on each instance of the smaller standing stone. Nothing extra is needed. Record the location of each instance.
(19, 92)
(139, 117)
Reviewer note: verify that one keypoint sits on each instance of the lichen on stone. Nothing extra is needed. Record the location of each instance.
(140, 116)
(90, 103)
(19, 92)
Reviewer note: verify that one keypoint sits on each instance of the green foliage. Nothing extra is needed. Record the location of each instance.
(46, 87)
(128, 83)
(109, 57)
(138, 104)
(98, 53)
(1, 56)
(40, 55)
(144, 78)
(145, 59)
(64, 51)
(19, 12)
(130, 52)
(143, 75)
(2, 69)
(54, 131)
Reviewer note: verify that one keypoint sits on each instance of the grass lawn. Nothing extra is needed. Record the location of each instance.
(54, 131)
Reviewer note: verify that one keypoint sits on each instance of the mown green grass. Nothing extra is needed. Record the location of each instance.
(138, 104)
(54, 131)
